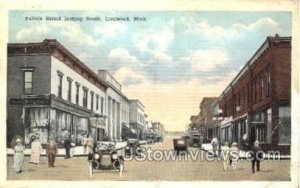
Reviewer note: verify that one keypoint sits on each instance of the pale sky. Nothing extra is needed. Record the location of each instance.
(170, 61)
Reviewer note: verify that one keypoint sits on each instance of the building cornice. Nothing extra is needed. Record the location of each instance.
(270, 42)
(54, 48)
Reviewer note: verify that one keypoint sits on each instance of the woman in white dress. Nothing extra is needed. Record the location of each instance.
(36, 149)
(18, 156)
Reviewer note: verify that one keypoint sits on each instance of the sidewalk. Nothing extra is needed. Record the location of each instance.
(78, 151)
(242, 153)
(61, 152)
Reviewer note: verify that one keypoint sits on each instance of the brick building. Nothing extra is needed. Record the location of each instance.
(257, 101)
(206, 116)
(52, 93)
(203, 122)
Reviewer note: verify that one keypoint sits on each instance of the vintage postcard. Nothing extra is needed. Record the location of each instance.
(181, 93)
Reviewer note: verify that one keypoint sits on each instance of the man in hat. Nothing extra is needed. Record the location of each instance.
(67, 145)
(51, 151)
(256, 156)
(36, 149)
(18, 156)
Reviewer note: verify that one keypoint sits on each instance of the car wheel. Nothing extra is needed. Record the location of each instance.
(91, 168)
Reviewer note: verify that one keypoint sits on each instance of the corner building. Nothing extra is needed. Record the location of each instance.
(258, 101)
(52, 93)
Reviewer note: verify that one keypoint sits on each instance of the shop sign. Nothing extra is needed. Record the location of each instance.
(97, 122)
(37, 101)
(30, 101)
(16, 101)
(69, 108)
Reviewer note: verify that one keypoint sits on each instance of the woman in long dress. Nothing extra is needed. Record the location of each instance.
(225, 155)
(36, 149)
(18, 156)
(234, 155)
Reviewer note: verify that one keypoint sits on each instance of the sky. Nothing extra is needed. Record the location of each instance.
(169, 60)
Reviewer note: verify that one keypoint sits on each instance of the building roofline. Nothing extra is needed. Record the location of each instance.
(253, 59)
(138, 101)
(53, 45)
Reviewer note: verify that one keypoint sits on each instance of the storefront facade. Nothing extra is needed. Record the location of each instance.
(52, 93)
(258, 100)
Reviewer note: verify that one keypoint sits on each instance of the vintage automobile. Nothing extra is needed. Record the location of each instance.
(106, 156)
(180, 145)
(133, 147)
(194, 139)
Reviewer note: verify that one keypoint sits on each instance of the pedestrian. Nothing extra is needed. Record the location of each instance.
(73, 145)
(256, 156)
(201, 138)
(234, 156)
(215, 146)
(18, 156)
(84, 142)
(90, 144)
(51, 151)
(225, 155)
(67, 145)
(36, 149)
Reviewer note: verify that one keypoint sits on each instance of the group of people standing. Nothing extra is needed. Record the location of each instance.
(230, 155)
(36, 150)
(51, 150)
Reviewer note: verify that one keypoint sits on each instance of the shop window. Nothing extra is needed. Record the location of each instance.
(269, 125)
(28, 82)
(81, 129)
(260, 133)
(284, 125)
(37, 119)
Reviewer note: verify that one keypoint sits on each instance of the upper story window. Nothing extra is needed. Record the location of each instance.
(60, 85)
(102, 105)
(77, 93)
(70, 89)
(262, 87)
(85, 97)
(268, 82)
(97, 102)
(28, 89)
(92, 100)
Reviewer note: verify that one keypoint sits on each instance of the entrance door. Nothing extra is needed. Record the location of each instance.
(252, 134)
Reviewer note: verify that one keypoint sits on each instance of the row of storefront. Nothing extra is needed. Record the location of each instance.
(51, 93)
(50, 116)
(256, 105)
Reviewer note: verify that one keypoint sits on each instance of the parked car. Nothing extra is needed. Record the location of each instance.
(150, 141)
(106, 156)
(195, 139)
(133, 147)
(180, 145)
